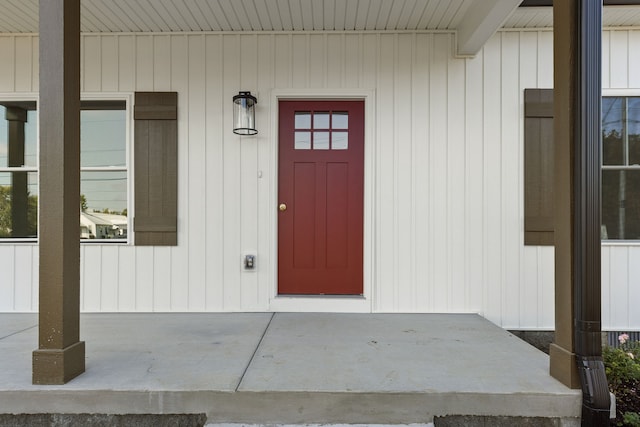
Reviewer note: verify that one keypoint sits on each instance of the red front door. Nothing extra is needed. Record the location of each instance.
(321, 185)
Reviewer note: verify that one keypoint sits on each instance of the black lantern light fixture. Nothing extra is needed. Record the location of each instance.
(244, 114)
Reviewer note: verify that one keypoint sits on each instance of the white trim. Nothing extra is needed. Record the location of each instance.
(621, 92)
(363, 304)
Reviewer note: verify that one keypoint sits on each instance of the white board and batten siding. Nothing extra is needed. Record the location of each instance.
(445, 171)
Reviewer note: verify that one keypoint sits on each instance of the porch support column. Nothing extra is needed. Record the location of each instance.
(576, 354)
(60, 356)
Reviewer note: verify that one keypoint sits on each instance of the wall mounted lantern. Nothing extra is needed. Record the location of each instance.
(244, 114)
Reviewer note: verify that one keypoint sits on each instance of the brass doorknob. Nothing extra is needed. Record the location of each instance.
(282, 207)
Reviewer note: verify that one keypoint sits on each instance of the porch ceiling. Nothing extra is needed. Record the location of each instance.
(475, 20)
(542, 17)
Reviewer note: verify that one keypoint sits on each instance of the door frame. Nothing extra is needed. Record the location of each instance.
(326, 303)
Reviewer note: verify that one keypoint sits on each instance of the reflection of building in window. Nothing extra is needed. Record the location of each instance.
(621, 168)
(102, 226)
(103, 169)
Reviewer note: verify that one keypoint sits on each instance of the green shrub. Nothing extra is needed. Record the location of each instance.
(623, 373)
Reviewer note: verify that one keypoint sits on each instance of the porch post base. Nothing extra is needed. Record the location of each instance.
(58, 366)
(563, 366)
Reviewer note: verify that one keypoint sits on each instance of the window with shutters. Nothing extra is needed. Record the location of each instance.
(620, 195)
(104, 171)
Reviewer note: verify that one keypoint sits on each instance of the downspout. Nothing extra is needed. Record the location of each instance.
(586, 232)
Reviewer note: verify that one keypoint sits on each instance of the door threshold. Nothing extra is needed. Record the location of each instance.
(320, 296)
(321, 303)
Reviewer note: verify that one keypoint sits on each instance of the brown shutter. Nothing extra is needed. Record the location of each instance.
(538, 167)
(156, 167)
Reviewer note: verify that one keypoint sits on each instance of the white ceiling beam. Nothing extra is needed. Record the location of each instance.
(480, 22)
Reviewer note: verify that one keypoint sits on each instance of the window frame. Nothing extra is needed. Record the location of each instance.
(128, 168)
(619, 93)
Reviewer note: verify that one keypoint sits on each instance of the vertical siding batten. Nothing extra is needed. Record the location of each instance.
(23, 259)
(7, 279)
(511, 181)
(420, 190)
(197, 173)
(232, 179)
(249, 179)
(439, 166)
(7, 67)
(403, 165)
(474, 182)
(456, 190)
(529, 279)
(172, 54)
(492, 239)
(214, 216)
(634, 59)
(23, 70)
(633, 293)
(386, 197)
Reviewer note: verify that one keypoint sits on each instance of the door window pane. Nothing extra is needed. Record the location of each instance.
(321, 140)
(321, 121)
(302, 140)
(340, 120)
(302, 120)
(340, 140)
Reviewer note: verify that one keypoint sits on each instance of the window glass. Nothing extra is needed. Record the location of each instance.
(621, 204)
(302, 140)
(633, 130)
(612, 131)
(303, 120)
(340, 120)
(103, 204)
(340, 140)
(103, 138)
(24, 151)
(321, 140)
(321, 121)
(18, 204)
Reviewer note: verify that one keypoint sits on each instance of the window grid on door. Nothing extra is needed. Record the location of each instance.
(321, 130)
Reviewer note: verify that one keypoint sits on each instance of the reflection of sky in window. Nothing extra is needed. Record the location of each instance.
(633, 116)
(612, 115)
(103, 138)
(104, 190)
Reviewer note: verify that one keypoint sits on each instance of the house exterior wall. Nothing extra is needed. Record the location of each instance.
(444, 172)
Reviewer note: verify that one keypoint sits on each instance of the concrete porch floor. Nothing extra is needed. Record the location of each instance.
(290, 368)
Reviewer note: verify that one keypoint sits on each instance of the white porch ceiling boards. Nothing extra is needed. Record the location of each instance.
(474, 20)
(247, 15)
(21, 16)
(542, 17)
